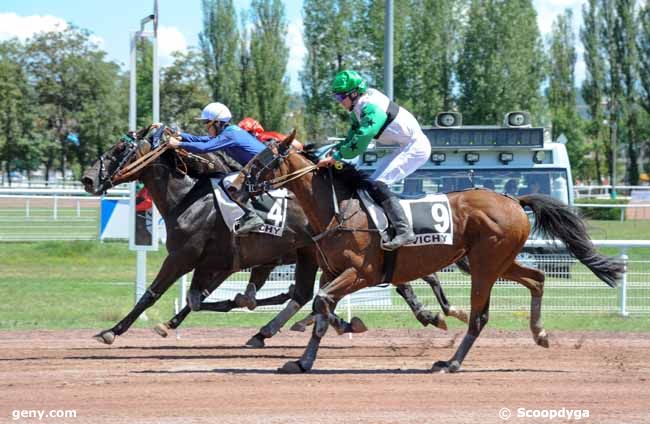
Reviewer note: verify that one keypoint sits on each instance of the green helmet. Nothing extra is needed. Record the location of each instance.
(346, 81)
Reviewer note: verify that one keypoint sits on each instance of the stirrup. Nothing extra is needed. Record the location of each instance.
(394, 243)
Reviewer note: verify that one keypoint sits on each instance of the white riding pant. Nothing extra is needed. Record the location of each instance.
(403, 161)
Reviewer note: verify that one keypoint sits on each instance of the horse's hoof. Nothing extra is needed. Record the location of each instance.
(243, 301)
(161, 329)
(446, 366)
(106, 337)
(298, 326)
(542, 339)
(255, 342)
(459, 314)
(439, 321)
(291, 367)
(357, 325)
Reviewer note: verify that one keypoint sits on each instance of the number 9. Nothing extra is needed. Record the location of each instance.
(440, 215)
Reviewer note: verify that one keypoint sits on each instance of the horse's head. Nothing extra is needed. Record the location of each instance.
(266, 166)
(106, 171)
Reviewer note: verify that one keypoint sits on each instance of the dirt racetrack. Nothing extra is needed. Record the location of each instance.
(379, 377)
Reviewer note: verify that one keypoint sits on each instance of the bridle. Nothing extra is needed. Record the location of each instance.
(123, 173)
(132, 147)
(269, 160)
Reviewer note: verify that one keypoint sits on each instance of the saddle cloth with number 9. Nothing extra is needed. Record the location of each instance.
(430, 217)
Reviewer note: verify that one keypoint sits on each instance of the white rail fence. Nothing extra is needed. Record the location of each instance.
(35, 214)
(603, 191)
(569, 287)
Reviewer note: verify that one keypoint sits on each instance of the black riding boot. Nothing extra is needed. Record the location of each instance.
(249, 222)
(403, 232)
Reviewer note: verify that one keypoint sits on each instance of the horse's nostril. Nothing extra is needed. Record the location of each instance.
(87, 181)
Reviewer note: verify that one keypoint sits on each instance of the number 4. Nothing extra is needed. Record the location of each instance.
(276, 213)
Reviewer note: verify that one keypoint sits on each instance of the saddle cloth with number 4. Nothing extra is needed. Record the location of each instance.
(271, 207)
(430, 217)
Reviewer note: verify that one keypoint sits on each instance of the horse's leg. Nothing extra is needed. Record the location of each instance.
(485, 269)
(423, 315)
(174, 266)
(448, 309)
(323, 307)
(304, 323)
(305, 277)
(259, 275)
(533, 279)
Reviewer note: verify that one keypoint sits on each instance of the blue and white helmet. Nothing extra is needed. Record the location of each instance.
(215, 112)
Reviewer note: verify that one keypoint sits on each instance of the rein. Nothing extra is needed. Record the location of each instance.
(140, 163)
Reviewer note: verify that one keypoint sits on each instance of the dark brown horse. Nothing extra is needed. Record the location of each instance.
(489, 228)
(199, 240)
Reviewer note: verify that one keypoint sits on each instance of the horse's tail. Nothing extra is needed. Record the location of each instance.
(554, 220)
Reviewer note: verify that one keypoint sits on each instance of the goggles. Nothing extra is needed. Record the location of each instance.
(340, 96)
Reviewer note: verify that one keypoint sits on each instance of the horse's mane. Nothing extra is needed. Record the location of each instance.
(348, 175)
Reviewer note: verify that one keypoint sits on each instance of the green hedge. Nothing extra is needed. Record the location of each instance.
(603, 214)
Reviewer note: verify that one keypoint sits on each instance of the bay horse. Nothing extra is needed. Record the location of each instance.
(489, 228)
(199, 240)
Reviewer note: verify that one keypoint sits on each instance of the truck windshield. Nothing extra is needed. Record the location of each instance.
(552, 182)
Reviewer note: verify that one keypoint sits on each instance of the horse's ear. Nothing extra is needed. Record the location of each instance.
(142, 132)
(287, 141)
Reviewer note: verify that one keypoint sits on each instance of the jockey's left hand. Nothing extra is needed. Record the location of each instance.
(174, 142)
(326, 162)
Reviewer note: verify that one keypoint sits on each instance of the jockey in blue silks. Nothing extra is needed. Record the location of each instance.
(234, 141)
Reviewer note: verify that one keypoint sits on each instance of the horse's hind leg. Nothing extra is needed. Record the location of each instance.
(447, 308)
(204, 282)
(533, 279)
(485, 270)
(422, 314)
(259, 275)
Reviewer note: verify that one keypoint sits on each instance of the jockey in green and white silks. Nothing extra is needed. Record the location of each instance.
(369, 114)
(375, 116)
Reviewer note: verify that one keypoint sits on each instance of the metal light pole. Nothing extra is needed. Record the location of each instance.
(388, 49)
(141, 250)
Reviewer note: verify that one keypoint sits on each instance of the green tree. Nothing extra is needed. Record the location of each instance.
(593, 86)
(184, 91)
(501, 64)
(144, 82)
(269, 55)
(428, 63)
(561, 92)
(644, 54)
(65, 69)
(329, 34)
(219, 42)
(17, 150)
(104, 112)
(619, 36)
(644, 72)
(248, 89)
(626, 38)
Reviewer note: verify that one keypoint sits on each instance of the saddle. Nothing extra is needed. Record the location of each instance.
(429, 215)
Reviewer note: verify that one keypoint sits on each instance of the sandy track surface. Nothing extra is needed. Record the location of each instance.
(382, 376)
